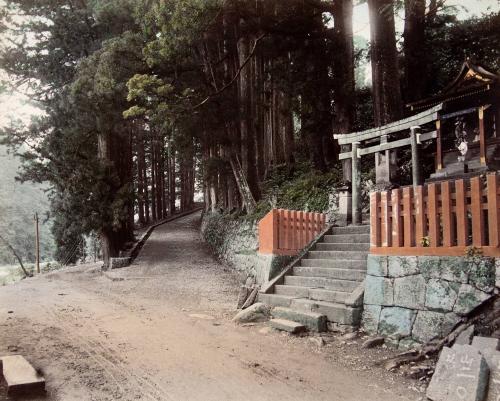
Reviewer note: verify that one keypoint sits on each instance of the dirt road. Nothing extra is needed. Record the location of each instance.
(161, 330)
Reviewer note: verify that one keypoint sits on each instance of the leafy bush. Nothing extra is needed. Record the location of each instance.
(299, 189)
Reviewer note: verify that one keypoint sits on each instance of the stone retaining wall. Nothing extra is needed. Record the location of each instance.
(412, 299)
(235, 242)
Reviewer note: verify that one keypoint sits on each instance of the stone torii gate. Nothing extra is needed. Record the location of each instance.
(381, 141)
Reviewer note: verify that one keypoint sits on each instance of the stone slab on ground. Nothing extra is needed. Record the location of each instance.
(20, 376)
(287, 325)
(485, 343)
(312, 320)
(256, 313)
(118, 263)
(461, 374)
(492, 357)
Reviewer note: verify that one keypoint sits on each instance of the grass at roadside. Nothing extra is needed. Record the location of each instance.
(12, 273)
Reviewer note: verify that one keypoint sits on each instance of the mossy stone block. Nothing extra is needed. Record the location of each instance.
(376, 265)
(469, 297)
(371, 317)
(396, 322)
(378, 291)
(441, 295)
(429, 325)
(400, 266)
(409, 292)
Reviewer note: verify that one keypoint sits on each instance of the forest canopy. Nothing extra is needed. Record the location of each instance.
(146, 102)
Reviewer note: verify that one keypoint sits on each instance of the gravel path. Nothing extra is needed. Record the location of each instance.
(161, 330)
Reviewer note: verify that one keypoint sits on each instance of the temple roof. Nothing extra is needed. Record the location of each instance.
(471, 79)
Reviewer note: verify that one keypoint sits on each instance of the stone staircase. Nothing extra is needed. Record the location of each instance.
(325, 287)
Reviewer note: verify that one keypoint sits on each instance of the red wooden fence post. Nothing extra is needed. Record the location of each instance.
(433, 214)
(385, 214)
(375, 219)
(447, 210)
(493, 210)
(409, 225)
(420, 216)
(461, 212)
(476, 195)
(397, 232)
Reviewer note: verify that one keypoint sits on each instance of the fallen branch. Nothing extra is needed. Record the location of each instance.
(26, 273)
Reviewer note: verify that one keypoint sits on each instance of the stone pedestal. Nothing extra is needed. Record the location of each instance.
(345, 208)
(385, 167)
(455, 169)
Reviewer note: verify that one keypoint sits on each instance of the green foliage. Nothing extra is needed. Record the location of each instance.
(102, 68)
(302, 189)
(449, 42)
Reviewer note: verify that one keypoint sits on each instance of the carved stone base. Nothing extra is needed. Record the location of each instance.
(345, 209)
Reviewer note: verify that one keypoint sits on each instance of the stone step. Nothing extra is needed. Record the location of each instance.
(312, 320)
(335, 263)
(342, 246)
(319, 294)
(287, 325)
(321, 282)
(275, 299)
(365, 229)
(311, 293)
(341, 274)
(350, 255)
(350, 238)
(291, 291)
(335, 312)
(20, 376)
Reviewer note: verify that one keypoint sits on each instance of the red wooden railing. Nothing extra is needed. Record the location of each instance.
(286, 232)
(437, 219)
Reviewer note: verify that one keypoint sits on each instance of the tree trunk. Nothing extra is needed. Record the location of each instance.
(316, 113)
(146, 182)
(158, 176)
(153, 180)
(140, 179)
(245, 192)
(171, 179)
(115, 153)
(414, 50)
(247, 128)
(385, 74)
(387, 102)
(343, 71)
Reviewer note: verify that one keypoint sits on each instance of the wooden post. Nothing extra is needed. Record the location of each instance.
(397, 227)
(37, 244)
(482, 137)
(375, 220)
(420, 216)
(415, 158)
(476, 195)
(493, 211)
(447, 211)
(408, 222)
(386, 219)
(356, 186)
(461, 212)
(432, 204)
(290, 229)
(439, 147)
(302, 230)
